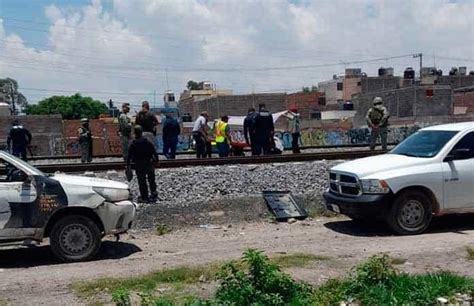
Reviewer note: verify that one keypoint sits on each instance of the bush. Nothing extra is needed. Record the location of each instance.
(121, 297)
(259, 282)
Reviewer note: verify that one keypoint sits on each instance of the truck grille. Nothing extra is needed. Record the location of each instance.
(344, 184)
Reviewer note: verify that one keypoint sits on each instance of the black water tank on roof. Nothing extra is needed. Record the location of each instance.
(409, 73)
(382, 71)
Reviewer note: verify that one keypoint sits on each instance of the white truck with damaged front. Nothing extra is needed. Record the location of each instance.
(430, 173)
(75, 212)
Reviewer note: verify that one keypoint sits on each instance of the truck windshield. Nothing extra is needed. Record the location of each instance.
(424, 144)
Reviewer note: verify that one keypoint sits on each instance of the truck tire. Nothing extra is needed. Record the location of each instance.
(75, 238)
(410, 213)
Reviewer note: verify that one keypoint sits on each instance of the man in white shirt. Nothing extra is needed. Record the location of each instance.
(200, 135)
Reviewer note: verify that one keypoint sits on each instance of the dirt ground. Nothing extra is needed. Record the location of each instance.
(32, 276)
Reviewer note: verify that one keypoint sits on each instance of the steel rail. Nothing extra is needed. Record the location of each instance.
(177, 163)
(76, 156)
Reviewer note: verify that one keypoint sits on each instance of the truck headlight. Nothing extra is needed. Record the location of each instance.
(374, 186)
(112, 194)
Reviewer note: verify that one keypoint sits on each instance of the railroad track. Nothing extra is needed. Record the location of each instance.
(177, 163)
(70, 157)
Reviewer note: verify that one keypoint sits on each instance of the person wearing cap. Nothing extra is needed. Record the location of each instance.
(200, 134)
(147, 120)
(295, 123)
(143, 154)
(377, 120)
(125, 129)
(18, 140)
(85, 141)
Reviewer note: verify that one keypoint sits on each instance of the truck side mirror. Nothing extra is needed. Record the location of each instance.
(458, 154)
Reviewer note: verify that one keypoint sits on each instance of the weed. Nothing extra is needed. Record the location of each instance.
(121, 297)
(260, 283)
(297, 260)
(376, 282)
(162, 229)
(470, 252)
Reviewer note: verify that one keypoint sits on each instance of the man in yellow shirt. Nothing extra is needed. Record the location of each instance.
(223, 136)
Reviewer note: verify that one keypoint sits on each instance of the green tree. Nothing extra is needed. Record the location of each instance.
(72, 107)
(192, 85)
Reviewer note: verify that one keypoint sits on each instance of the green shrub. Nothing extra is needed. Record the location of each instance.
(121, 297)
(259, 282)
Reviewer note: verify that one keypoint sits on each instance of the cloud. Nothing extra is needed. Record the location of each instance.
(123, 52)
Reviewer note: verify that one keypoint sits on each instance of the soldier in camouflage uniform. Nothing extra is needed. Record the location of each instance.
(125, 129)
(85, 141)
(377, 120)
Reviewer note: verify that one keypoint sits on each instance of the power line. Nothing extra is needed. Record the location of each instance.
(185, 40)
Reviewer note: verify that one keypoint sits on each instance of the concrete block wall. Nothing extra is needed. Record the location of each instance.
(235, 105)
(407, 102)
(46, 132)
(456, 81)
(370, 84)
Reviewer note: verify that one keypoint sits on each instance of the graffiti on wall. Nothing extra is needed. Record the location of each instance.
(309, 137)
(356, 136)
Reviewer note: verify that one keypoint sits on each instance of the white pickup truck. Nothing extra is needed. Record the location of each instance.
(74, 212)
(429, 173)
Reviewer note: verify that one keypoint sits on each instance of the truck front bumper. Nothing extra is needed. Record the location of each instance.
(117, 217)
(365, 205)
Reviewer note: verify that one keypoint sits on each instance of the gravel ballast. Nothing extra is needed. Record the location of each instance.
(226, 194)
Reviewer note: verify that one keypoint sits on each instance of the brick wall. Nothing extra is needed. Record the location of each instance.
(304, 102)
(104, 133)
(465, 99)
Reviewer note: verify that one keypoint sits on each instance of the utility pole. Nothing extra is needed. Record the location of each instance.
(12, 96)
(154, 98)
(419, 55)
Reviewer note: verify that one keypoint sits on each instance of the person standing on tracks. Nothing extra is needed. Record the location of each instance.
(250, 131)
(264, 129)
(171, 131)
(143, 154)
(200, 134)
(377, 120)
(147, 120)
(85, 141)
(125, 129)
(18, 140)
(223, 136)
(295, 123)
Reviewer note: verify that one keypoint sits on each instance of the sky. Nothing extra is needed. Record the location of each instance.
(130, 51)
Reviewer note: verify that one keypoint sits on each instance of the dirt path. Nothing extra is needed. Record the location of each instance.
(30, 276)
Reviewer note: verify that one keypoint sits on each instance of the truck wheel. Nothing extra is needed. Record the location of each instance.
(410, 214)
(75, 238)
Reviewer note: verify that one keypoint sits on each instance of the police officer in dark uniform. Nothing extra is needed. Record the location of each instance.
(143, 154)
(18, 140)
(264, 129)
(250, 132)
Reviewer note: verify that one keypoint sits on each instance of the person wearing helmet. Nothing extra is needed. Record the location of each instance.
(377, 120)
(85, 141)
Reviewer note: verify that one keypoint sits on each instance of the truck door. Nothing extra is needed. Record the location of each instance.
(17, 195)
(458, 176)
